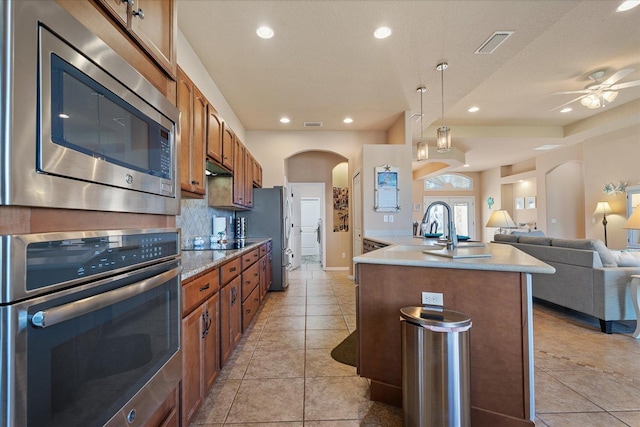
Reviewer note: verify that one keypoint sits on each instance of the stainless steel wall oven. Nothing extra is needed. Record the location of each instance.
(80, 128)
(90, 326)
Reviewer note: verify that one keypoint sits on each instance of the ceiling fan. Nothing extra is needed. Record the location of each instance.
(596, 94)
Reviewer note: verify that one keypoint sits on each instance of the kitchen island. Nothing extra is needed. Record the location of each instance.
(493, 287)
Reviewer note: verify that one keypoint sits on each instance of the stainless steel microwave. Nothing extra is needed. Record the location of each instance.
(80, 127)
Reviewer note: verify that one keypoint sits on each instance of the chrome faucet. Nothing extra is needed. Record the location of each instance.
(452, 237)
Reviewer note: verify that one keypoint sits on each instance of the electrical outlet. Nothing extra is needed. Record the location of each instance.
(433, 298)
(344, 255)
(390, 218)
(385, 218)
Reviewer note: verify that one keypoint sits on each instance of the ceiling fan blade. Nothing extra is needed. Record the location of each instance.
(625, 85)
(571, 91)
(617, 76)
(567, 103)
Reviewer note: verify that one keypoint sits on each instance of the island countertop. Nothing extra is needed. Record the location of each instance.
(420, 253)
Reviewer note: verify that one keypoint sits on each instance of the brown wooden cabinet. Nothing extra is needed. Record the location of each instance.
(214, 135)
(248, 178)
(238, 173)
(152, 24)
(193, 124)
(230, 308)
(200, 341)
(167, 414)
(257, 174)
(228, 138)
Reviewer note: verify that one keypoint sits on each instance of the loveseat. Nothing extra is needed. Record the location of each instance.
(589, 278)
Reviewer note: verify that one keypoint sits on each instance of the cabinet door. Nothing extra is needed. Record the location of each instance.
(117, 9)
(248, 179)
(211, 348)
(263, 277)
(269, 270)
(227, 147)
(214, 135)
(192, 327)
(153, 25)
(230, 318)
(185, 106)
(238, 173)
(199, 141)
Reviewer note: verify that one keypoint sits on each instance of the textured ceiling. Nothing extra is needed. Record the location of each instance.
(323, 64)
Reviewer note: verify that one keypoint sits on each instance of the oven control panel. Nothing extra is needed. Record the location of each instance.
(72, 258)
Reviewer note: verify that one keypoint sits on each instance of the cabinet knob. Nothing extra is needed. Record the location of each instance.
(129, 2)
(139, 13)
(194, 182)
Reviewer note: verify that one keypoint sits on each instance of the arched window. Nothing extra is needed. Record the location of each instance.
(448, 181)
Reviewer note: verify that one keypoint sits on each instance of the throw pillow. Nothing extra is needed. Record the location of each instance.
(505, 238)
(588, 245)
(627, 258)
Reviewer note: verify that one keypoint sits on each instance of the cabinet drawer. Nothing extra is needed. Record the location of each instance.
(250, 278)
(198, 290)
(229, 270)
(250, 307)
(250, 257)
(263, 250)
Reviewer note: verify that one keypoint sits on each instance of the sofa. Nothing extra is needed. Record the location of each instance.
(589, 278)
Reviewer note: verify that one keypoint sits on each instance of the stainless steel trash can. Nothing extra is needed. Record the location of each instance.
(435, 368)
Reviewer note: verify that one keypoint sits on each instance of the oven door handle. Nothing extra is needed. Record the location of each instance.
(62, 313)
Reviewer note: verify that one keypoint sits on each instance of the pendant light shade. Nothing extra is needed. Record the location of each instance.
(443, 143)
(422, 148)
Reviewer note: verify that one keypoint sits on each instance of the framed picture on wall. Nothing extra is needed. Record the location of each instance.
(519, 202)
(386, 189)
(530, 202)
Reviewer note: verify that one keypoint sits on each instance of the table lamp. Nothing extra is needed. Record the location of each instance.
(603, 208)
(500, 218)
(633, 223)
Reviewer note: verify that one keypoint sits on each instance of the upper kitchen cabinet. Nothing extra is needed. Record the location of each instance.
(214, 135)
(110, 20)
(228, 140)
(152, 24)
(239, 182)
(193, 126)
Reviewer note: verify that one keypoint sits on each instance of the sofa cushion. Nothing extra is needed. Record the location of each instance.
(626, 258)
(511, 238)
(532, 240)
(536, 233)
(588, 245)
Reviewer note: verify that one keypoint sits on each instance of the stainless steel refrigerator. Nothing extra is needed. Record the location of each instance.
(270, 217)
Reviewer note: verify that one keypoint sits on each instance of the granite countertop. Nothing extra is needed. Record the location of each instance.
(195, 262)
(410, 251)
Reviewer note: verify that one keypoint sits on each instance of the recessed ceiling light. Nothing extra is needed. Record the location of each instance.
(285, 120)
(627, 5)
(566, 110)
(547, 147)
(382, 33)
(348, 120)
(264, 32)
(473, 109)
(466, 165)
(63, 116)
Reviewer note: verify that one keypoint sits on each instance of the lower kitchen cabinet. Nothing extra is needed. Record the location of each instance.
(168, 413)
(230, 318)
(200, 341)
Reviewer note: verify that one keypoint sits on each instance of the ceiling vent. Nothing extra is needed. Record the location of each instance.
(313, 124)
(492, 43)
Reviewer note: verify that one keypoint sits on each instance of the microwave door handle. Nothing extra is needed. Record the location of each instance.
(62, 313)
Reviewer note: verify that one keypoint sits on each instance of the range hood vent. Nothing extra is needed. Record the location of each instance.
(313, 124)
(493, 42)
(216, 170)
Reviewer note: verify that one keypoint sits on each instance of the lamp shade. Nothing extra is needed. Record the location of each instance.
(501, 218)
(602, 208)
(633, 222)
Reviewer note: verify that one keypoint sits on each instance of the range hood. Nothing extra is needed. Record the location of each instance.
(216, 170)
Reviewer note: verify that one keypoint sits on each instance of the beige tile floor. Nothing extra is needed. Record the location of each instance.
(282, 373)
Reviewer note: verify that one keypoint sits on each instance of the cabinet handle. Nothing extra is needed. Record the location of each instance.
(248, 311)
(256, 299)
(194, 182)
(231, 270)
(255, 274)
(204, 288)
(139, 13)
(205, 330)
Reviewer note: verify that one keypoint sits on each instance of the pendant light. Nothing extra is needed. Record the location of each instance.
(423, 149)
(444, 133)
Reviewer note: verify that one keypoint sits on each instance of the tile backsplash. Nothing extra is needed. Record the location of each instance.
(196, 218)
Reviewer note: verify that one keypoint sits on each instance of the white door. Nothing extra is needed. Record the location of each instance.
(295, 240)
(464, 214)
(309, 223)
